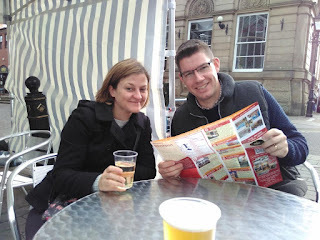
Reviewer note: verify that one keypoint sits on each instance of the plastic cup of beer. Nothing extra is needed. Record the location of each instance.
(189, 219)
(126, 160)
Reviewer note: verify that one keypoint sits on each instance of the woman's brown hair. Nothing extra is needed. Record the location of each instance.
(119, 71)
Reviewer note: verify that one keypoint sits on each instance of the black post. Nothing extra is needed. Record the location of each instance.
(36, 106)
(313, 61)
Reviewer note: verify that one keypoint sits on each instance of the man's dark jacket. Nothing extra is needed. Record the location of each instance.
(234, 97)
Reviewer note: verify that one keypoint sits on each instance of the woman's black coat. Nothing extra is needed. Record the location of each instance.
(88, 141)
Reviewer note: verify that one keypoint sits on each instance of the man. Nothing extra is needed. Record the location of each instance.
(213, 95)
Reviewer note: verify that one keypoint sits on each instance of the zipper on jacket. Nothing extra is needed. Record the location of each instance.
(219, 110)
(200, 117)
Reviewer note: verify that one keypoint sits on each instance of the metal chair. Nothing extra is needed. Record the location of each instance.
(35, 146)
(10, 195)
(315, 178)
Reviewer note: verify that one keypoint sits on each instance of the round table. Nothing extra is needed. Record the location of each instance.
(248, 212)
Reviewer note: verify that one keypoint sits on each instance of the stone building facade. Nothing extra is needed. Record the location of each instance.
(264, 40)
(4, 48)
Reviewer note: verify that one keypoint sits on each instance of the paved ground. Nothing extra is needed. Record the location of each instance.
(22, 206)
(310, 127)
(5, 119)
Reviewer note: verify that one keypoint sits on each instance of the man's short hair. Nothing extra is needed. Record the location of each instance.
(191, 47)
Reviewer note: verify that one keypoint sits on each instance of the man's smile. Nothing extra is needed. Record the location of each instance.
(202, 87)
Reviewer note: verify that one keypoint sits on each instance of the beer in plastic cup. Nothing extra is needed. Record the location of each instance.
(189, 219)
(126, 160)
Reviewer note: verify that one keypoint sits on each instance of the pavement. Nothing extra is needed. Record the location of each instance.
(308, 126)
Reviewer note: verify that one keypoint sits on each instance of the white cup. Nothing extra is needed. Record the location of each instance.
(189, 219)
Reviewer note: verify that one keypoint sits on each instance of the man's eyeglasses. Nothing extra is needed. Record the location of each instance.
(190, 75)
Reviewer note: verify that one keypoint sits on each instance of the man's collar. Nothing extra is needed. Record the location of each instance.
(227, 84)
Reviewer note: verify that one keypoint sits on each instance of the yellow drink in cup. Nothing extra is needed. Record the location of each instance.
(189, 219)
(174, 233)
(126, 160)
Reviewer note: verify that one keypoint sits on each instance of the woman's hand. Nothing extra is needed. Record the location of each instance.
(275, 143)
(112, 180)
(170, 169)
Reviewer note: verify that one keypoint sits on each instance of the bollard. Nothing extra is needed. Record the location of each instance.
(36, 106)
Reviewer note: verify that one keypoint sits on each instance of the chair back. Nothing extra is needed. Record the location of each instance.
(315, 178)
(32, 145)
(10, 194)
(29, 148)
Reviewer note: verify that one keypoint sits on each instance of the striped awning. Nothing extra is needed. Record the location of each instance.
(70, 45)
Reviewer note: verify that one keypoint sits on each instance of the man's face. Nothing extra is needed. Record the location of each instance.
(203, 83)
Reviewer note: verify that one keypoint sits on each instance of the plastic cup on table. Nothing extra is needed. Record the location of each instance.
(126, 160)
(189, 219)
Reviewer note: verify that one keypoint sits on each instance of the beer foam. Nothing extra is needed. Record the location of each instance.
(190, 214)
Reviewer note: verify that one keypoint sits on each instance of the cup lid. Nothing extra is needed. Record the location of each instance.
(190, 214)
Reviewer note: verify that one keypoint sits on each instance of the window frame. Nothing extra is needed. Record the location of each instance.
(197, 21)
(234, 69)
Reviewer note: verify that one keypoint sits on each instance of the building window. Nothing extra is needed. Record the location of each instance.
(201, 29)
(6, 42)
(0, 41)
(250, 42)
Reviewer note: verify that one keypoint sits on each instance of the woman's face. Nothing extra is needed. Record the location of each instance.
(130, 95)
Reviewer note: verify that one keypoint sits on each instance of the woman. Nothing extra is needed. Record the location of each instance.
(92, 133)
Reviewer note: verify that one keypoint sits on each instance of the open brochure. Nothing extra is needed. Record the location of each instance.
(228, 149)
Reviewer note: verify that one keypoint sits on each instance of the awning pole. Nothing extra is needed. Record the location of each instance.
(171, 61)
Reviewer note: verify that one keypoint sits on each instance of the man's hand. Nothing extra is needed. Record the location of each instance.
(275, 143)
(112, 180)
(170, 169)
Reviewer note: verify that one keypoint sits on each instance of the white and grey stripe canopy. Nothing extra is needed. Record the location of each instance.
(70, 45)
